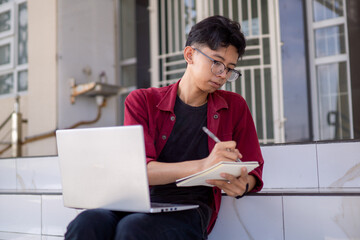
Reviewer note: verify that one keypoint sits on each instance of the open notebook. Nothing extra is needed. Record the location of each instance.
(106, 168)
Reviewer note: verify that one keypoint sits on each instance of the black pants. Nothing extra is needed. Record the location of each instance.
(106, 224)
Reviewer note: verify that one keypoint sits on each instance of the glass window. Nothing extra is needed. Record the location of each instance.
(327, 9)
(245, 18)
(129, 75)
(6, 83)
(22, 34)
(5, 53)
(333, 101)
(127, 49)
(294, 71)
(127, 29)
(330, 41)
(22, 81)
(5, 21)
(13, 47)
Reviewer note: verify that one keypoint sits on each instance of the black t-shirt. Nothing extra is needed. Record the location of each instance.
(187, 141)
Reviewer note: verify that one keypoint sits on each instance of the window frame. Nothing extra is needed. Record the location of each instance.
(314, 62)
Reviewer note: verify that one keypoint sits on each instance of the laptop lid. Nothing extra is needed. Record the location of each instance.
(105, 168)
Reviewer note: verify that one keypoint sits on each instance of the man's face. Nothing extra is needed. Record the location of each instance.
(204, 68)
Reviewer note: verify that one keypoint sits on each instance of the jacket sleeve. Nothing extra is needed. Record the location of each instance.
(137, 113)
(248, 144)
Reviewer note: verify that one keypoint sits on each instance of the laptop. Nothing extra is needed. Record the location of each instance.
(106, 168)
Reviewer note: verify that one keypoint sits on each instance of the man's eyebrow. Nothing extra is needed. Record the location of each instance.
(223, 59)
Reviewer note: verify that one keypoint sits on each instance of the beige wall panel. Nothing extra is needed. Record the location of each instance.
(42, 91)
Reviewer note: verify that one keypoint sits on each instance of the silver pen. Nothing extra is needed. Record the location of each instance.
(215, 138)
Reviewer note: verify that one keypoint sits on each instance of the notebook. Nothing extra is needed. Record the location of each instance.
(106, 168)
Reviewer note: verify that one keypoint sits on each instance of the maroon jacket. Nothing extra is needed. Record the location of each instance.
(228, 117)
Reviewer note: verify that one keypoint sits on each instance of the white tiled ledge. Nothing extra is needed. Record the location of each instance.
(315, 167)
(311, 191)
(317, 184)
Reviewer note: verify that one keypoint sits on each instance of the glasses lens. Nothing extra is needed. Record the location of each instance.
(217, 68)
(234, 75)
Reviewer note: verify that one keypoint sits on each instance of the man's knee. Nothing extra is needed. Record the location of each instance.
(92, 223)
(134, 226)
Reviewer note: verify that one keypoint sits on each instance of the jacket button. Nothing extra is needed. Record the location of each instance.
(172, 118)
(163, 137)
(216, 116)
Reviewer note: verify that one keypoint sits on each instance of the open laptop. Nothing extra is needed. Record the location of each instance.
(106, 168)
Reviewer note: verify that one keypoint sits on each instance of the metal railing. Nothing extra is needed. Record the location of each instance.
(16, 142)
(16, 131)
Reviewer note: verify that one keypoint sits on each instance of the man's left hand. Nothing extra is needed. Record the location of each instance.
(233, 186)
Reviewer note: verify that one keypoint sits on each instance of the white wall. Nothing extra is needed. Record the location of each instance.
(65, 37)
(86, 38)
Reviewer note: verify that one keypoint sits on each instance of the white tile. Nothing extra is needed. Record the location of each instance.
(339, 164)
(55, 217)
(290, 166)
(252, 217)
(51, 238)
(322, 217)
(20, 213)
(7, 174)
(38, 173)
(19, 236)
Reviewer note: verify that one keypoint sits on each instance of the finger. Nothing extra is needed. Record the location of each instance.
(237, 185)
(225, 153)
(224, 185)
(238, 153)
(230, 178)
(228, 145)
(244, 174)
(231, 155)
(230, 189)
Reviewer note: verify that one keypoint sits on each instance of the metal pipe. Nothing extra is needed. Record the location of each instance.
(16, 120)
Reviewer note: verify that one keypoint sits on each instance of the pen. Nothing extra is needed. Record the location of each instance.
(215, 138)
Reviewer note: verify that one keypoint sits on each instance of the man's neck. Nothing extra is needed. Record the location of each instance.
(190, 94)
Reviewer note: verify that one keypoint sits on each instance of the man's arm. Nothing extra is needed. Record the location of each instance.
(163, 173)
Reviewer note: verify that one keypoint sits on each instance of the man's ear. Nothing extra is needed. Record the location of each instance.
(188, 54)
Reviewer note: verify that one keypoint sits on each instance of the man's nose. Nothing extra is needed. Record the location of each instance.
(223, 74)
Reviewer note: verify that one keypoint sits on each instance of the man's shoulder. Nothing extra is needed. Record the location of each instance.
(230, 96)
(150, 91)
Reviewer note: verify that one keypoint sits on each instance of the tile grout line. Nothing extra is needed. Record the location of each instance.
(283, 216)
(41, 215)
(317, 165)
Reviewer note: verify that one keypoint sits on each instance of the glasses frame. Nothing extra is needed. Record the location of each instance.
(228, 70)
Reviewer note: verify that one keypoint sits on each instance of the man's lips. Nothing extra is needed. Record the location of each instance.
(215, 84)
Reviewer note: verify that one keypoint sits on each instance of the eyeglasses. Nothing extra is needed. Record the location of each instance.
(218, 68)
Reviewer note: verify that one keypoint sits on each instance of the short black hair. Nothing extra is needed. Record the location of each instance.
(217, 31)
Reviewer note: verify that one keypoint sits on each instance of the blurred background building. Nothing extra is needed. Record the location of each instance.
(71, 63)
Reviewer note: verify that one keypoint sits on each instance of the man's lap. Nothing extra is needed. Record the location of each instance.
(106, 224)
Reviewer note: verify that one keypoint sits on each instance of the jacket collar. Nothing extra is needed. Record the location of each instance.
(167, 102)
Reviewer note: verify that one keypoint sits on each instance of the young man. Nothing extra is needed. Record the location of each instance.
(176, 146)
